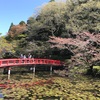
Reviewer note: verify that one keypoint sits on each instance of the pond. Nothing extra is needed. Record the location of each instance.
(49, 87)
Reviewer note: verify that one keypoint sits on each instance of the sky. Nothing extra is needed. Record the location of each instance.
(14, 11)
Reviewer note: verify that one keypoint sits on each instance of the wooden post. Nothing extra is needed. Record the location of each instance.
(34, 71)
(9, 70)
(51, 70)
(67, 73)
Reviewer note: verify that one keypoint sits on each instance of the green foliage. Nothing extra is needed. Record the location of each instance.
(51, 0)
(50, 21)
(95, 71)
(62, 88)
(96, 67)
(85, 17)
(22, 23)
(6, 46)
(0, 33)
(7, 55)
(58, 19)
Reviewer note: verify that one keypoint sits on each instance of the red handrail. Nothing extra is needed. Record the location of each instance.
(32, 61)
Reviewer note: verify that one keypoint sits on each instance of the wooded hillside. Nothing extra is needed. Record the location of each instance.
(73, 25)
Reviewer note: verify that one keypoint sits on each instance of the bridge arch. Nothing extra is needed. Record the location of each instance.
(8, 63)
(32, 61)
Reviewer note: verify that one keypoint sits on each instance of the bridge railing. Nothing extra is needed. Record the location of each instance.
(15, 62)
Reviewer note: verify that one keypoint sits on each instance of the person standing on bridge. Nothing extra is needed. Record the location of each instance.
(29, 55)
(24, 56)
(21, 56)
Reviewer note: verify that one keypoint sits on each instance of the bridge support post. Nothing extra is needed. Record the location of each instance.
(34, 71)
(51, 70)
(9, 70)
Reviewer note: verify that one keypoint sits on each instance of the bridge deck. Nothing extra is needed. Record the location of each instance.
(32, 61)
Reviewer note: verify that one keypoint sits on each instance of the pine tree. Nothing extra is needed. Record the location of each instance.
(51, 0)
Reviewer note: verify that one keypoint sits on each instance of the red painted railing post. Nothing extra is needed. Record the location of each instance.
(13, 61)
(0, 62)
(7, 62)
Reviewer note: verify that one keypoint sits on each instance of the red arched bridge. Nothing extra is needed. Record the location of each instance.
(32, 61)
(8, 63)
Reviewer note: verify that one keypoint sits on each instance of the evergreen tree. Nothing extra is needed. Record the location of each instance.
(22, 23)
(51, 0)
(10, 26)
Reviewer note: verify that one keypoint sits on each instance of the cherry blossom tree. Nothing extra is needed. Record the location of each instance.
(84, 46)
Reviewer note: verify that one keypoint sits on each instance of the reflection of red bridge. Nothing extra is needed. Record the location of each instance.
(26, 84)
(19, 62)
(8, 63)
